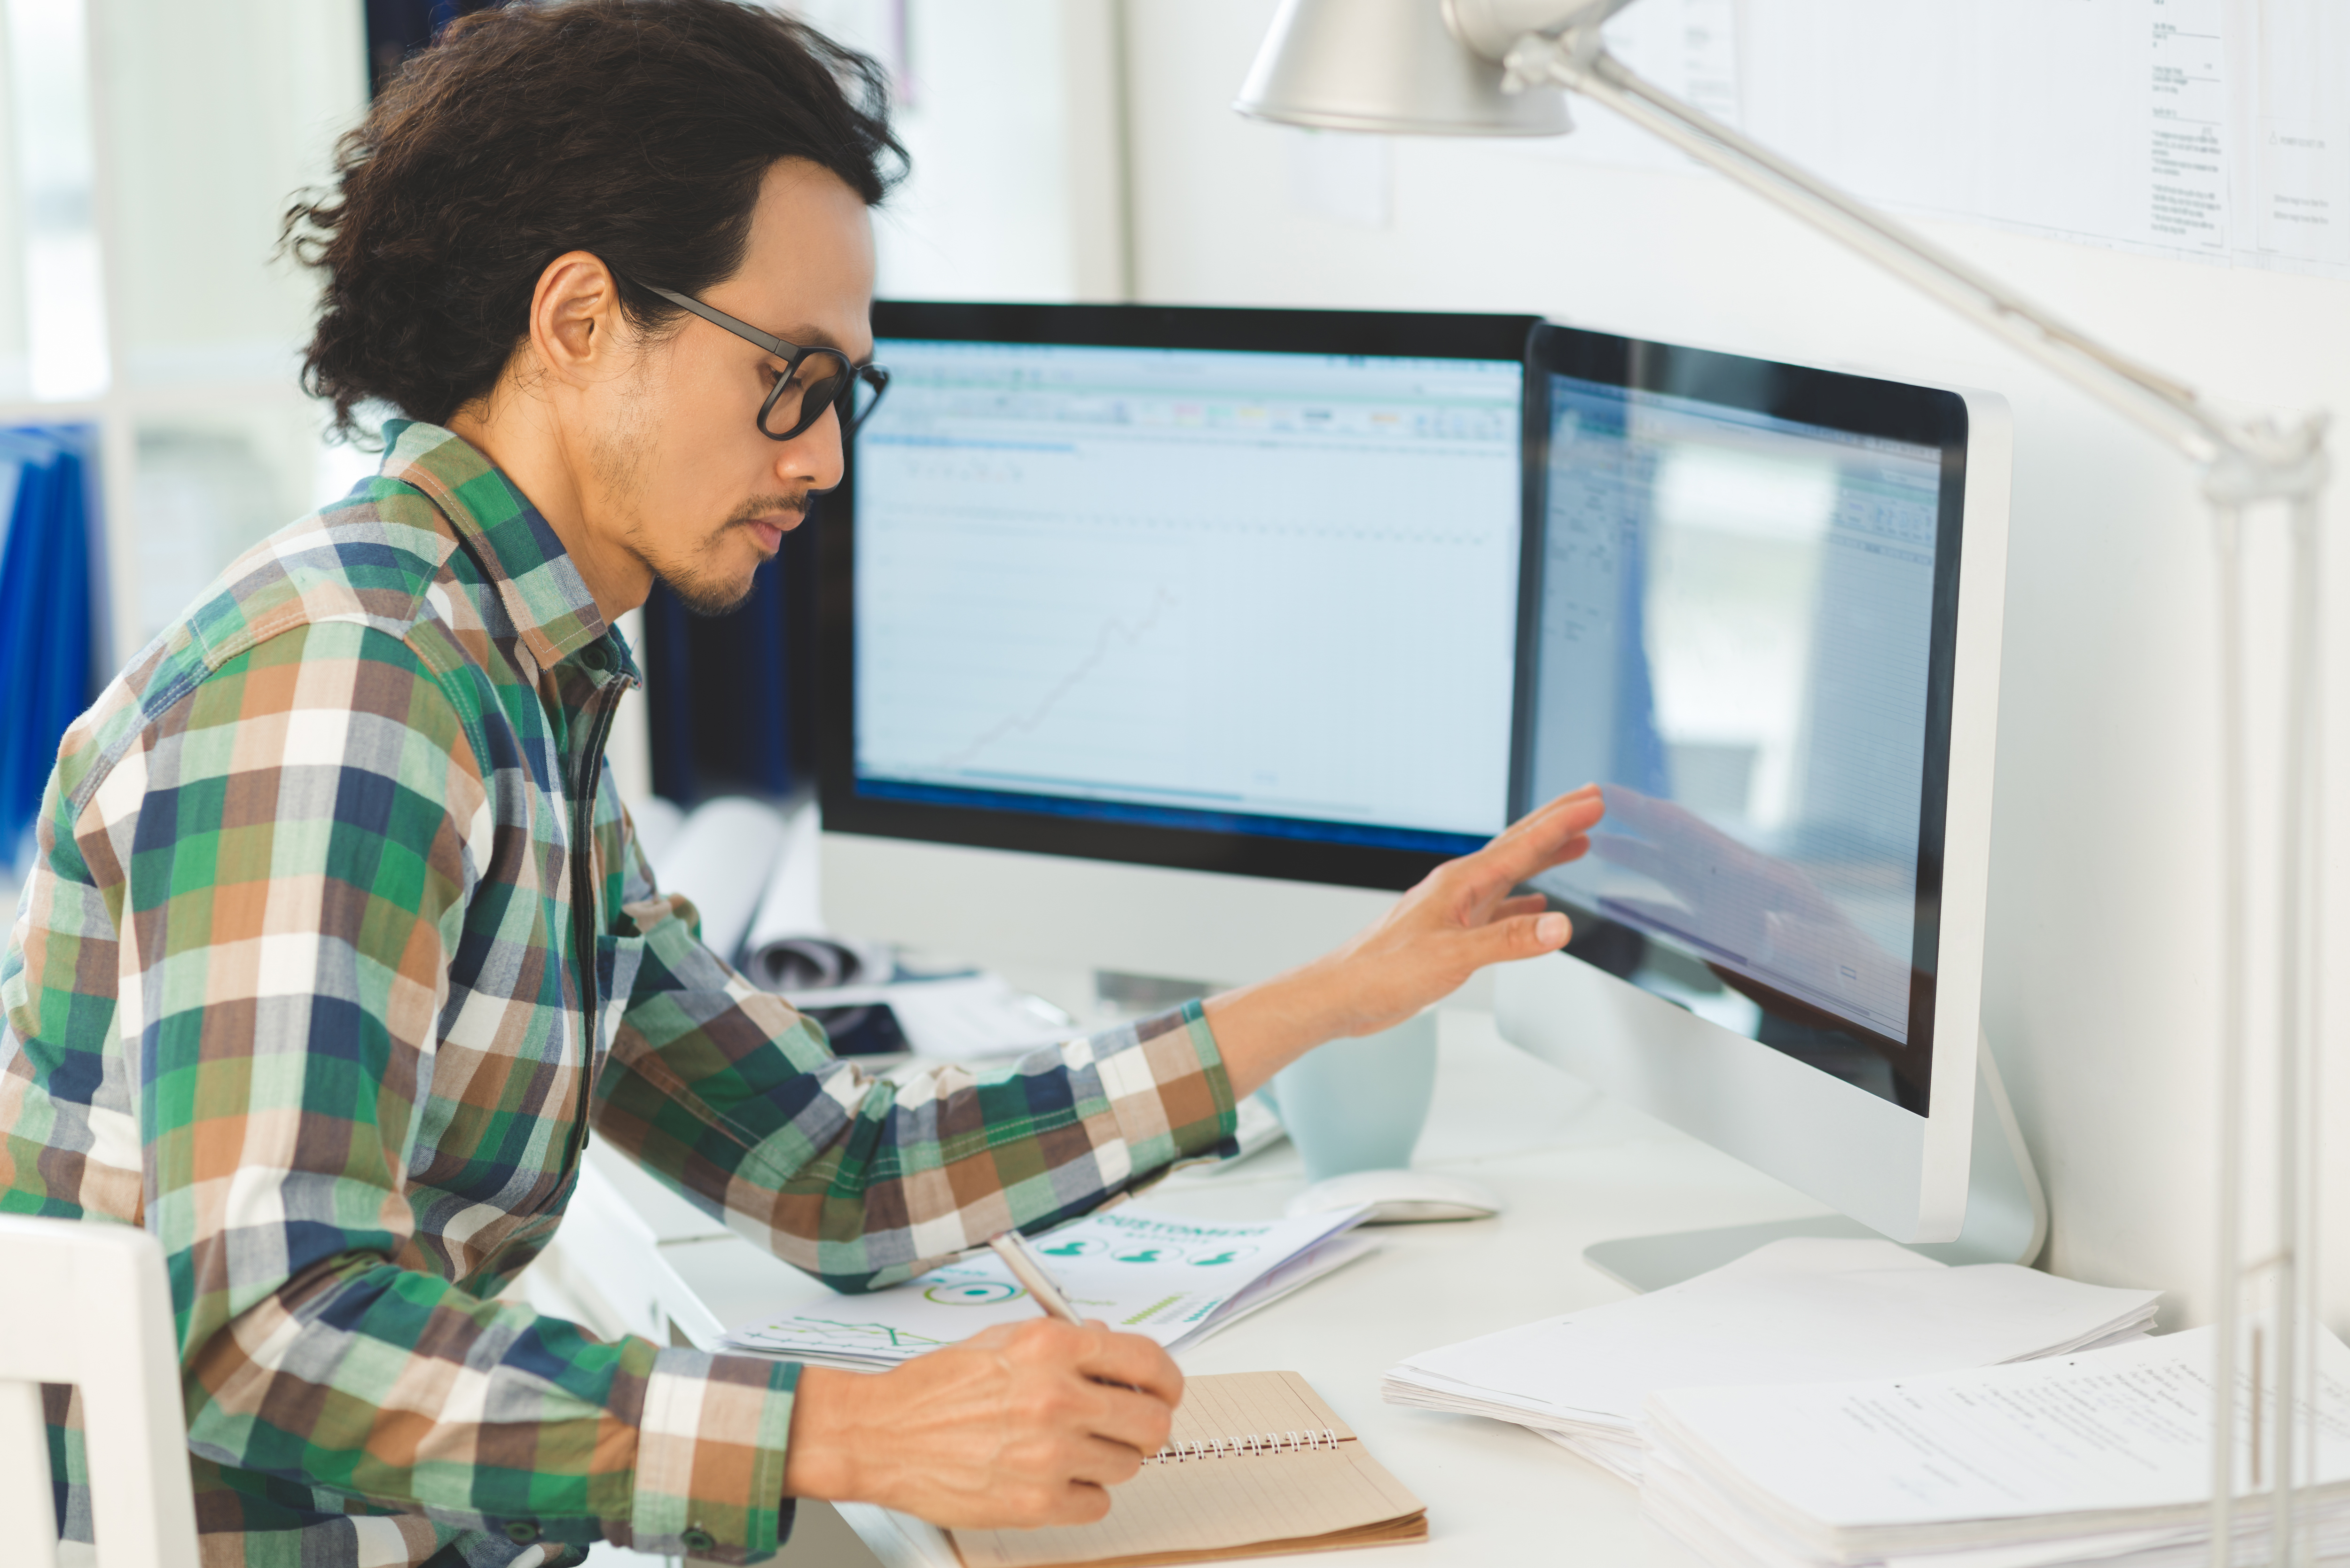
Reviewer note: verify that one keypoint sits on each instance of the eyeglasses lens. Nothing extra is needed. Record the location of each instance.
(801, 401)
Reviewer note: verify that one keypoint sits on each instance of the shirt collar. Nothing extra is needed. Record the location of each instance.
(543, 592)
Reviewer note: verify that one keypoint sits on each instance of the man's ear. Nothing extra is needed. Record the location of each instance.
(579, 332)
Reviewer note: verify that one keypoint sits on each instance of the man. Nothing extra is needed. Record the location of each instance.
(339, 947)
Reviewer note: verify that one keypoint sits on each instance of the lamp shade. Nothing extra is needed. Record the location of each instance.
(1387, 65)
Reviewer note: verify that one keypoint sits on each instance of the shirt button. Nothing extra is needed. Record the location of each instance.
(698, 1540)
(521, 1530)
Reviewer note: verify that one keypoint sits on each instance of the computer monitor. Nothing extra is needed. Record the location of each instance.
(1152, 634)
(1761, 604)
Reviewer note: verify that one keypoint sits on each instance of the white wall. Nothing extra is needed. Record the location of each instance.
(1008, 110)
(2101, 1002)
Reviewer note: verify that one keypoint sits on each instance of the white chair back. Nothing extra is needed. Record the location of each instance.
(86, 1303)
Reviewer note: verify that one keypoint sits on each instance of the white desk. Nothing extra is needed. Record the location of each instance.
(1574, 1168)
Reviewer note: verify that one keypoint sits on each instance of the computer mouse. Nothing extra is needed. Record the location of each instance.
(1399, 1197)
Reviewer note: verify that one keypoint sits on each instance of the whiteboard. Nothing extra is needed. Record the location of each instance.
(2215, 130)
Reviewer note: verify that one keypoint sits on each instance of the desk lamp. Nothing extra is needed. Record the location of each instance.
(1496, 68)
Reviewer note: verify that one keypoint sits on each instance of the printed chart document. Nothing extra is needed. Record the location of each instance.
(1169, 1277)
(1257, 1464)
(1803, 1310)
(2096, 1445)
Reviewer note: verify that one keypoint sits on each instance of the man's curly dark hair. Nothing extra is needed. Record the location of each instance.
(635, 129)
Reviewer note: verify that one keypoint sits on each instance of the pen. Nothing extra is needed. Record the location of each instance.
(1013, 1249)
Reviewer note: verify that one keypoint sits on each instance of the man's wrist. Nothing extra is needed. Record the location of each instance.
(1262, 1028)
(817, 1460)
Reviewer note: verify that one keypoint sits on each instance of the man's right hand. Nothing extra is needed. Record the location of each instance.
(1020, 1425)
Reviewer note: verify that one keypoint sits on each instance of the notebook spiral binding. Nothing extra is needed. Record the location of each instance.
(1254, 1444)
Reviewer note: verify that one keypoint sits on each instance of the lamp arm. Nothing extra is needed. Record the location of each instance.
(2241, 462)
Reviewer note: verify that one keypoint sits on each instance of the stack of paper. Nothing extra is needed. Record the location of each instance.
(1171, 1278)
(2103, 1457)
(1796, 1311)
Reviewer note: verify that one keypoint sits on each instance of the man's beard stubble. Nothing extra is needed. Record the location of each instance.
(698, 589)
(618, 460)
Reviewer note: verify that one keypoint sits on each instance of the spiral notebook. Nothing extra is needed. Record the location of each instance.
(1256, 1464)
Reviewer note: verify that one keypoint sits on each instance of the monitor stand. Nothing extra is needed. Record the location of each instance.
(2006, 1222)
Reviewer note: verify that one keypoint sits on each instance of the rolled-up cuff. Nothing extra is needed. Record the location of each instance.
(710, 1456)
(1169, 1093)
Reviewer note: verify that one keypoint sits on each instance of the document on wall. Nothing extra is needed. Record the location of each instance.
(2206, 129)
(2185, 125)
(2297, 127)
(2105, 121)
(1168, 1277)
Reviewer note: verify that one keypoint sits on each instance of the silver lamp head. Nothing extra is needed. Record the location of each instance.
(1387, 65)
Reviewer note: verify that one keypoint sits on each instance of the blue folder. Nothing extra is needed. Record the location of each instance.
(46, 627)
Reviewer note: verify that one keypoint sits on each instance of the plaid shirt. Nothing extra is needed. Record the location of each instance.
(336, 945)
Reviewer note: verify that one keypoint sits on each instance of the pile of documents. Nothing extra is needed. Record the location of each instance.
(2103, 1457)
(1169, 1277)
(1796, 1311)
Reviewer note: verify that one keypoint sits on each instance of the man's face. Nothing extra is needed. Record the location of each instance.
(686, 482)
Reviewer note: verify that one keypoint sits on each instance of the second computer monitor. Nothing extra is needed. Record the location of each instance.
(1762, 607)
(1227, 590)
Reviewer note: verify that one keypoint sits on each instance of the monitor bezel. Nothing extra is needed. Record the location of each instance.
(1406, 334)
(1835, 400)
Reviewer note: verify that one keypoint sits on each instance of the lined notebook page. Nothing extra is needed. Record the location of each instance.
(1213, 1507)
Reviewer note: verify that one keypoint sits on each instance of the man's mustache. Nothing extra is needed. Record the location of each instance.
(797, 506)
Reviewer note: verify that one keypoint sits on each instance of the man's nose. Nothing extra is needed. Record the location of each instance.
(815, 454)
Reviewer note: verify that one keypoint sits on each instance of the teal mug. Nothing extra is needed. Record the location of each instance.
(1358, 1105)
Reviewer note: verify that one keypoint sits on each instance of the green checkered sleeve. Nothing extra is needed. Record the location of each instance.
(734, 1100)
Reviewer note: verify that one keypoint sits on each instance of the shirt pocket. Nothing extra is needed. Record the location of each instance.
(617, 959)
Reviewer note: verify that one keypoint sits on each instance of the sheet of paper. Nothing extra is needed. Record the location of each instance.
(1160, 1275)
(1798, 1311)
(791, 904)
(2185, 122)
(721, 858)
(2127, 1427)
(2295, 120)
(1329, 1258)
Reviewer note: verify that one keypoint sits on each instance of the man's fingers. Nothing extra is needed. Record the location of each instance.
(1485, 875)
(1137, 1363)
(1523, 904)
(1520, 937)
(1575, 848)
(1575, 801)
(1535, 822)
(1134, 1421)
(1078, 1502)
(1102, 1462)
(1542, 838)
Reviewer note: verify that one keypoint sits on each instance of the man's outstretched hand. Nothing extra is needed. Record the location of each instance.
(1022, 1425)
(1461, 917)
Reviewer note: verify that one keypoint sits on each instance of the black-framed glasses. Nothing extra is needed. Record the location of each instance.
(814, 379)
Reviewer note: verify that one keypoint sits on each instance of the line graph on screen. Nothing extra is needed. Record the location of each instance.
(1115, 630)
